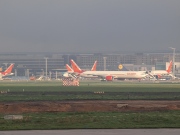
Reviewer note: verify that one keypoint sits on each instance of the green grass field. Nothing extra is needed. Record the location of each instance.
(28, 91)
(54, 91)
(93, 120)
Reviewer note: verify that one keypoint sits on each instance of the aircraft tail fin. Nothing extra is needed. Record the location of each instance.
(94, 66)
(170, 67)
(9, 69)
(69, 69)
(75, 67)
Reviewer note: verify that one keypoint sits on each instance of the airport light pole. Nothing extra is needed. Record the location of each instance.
(46, 65)
(173, 73)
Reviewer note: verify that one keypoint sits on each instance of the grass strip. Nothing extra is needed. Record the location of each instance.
(93, 120)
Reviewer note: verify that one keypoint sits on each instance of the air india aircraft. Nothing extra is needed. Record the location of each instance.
(110, 75)
(69, 69)
(70, 72)
(76, 70)
(160, 73)
(7, 72)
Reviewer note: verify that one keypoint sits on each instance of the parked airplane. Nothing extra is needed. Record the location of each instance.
(69, 69)
(159, 73)
(110, 75)
(76, 70)
(7, 72)
(70, 72)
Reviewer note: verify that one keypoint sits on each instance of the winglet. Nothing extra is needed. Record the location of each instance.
(169, 67)
(94, 66)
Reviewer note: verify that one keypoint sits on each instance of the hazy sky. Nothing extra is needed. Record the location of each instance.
(89, 25)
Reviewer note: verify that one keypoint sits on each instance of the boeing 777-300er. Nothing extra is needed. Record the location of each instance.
(110, 75)
(159, 73)
(7, 72)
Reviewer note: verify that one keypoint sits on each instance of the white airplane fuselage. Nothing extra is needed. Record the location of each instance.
(118, 74)
(159, 72)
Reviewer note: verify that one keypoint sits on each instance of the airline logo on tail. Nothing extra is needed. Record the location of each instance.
(94, 66)
(69, 69)
(75, 67)
(8, 70)
(170, 67)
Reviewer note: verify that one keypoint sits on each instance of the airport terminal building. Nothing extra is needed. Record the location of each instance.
(28, 64)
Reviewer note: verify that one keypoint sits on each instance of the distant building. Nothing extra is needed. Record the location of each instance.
(27, 64)
(31, 63)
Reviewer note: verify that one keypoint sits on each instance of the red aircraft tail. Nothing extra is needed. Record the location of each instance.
(69, 69)
(75, 67)
(169, 67)
(8, 70)
(94, 66)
